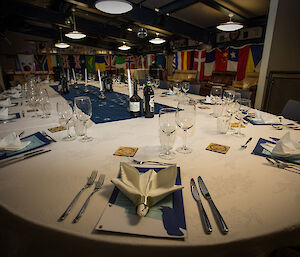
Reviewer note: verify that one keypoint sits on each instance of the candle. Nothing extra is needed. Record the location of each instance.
(68, 75)
(100, 82)
(129, 84)
(85, 71)
(74, 75)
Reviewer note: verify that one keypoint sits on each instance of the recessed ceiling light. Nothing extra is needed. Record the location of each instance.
(113, 6)
(230, 25)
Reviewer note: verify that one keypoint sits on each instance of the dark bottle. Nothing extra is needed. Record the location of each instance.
(135, 103)
(148, 100)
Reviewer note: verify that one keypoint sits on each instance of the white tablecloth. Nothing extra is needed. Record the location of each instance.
(259, 202)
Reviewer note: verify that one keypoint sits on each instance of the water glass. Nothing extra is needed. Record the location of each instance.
(244, 107)
(65, 115)
(43, 101)
(83, 111)
(216, 93)
(223, 124)
(167, 132)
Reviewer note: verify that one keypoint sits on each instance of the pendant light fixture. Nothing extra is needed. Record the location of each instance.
(113, 6)
(124, 47)
(230, 25)
(61, 43)
(142, 33)
(157, 40)
(75, 34)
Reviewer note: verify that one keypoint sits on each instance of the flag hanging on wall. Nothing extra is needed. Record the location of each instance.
(160, 61)
(254, 58)
(100, 63)
(199, 61)
(209, 66)
(90, 63)
(77, 63)
(129, 60)
(66, 64)
(175, 62)
(221, 59)
(110, 62)
(41, 63)
(26, 62)
(150, 60)
(120, 62)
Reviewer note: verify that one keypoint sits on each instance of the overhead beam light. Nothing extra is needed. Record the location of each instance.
(75, 34)
(230, 25)
(157, 40)
(113, 6)
(61, 43)
(124, 47)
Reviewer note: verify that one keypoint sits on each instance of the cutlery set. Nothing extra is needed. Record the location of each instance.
(154, 162)
(284, 165)
(90, 182)
(204, 218)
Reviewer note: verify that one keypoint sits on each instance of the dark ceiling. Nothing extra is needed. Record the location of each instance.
(182, 21)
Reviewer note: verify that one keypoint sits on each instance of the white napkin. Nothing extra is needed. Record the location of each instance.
(5, 103)
(148, 188)
(285, 147)
(4, 114)
(266, 117)
(12, 143)
(16, 95)
(208, 99)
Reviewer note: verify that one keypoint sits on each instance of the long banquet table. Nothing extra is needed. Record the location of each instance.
(259, 202)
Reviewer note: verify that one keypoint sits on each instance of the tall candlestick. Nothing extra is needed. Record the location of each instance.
(100, 81)
(85, 71)
(129, 84)
(68, 75)
(74, 75)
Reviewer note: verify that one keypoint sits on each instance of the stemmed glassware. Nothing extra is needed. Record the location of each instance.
(156, 83)
(33, 98)
(228, 96)
(244, 107)
(43, 101)
(65, 115)
(185, 118)
(83, 111)
(177, 88)
(185, 87)
(216, 93)
(167, 132)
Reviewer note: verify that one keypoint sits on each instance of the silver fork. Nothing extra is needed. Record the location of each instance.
(144, 162)
(98, 186)
(282, 165)
(49, 137)
(90, 182)
(244, 146)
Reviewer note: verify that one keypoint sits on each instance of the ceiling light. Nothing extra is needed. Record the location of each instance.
(60, 43)
(156, 9)
(75, 34)
(129, 29)
(230, 25)
(157, 40)
(113, 6)
(124, 47)
(142, 33)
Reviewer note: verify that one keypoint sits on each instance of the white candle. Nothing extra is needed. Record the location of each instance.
(85, 71)
(100, 82)
(68, 75)
(74, 75)
(129, 84)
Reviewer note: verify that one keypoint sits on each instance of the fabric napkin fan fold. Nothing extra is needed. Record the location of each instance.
(12, 142)
(4, 113)
(266, 117)
(287, 147)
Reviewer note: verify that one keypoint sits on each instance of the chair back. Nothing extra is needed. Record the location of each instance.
(292, 110)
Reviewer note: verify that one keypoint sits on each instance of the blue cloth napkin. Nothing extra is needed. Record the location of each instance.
(37, 140)
(172, 209)
(257, 122)
(259, 150)
(113, 108)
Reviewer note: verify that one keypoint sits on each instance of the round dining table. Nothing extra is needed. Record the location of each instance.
(259, 202)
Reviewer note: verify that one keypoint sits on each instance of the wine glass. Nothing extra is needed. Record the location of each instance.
(228, 96)
(65, 115)
(33, 99)
(216, 93)
(244, 107)
(43, 101)
(83, 111)
(156, 83)
(167, 132)
(185, 118)
(185, 87)
(177, 88)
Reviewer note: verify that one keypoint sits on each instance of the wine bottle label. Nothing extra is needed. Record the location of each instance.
(151, 103)
(134, 106)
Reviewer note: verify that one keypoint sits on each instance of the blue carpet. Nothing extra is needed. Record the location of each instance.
(113, 108)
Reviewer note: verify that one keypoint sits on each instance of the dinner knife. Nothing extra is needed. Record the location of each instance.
(195, 193)
(207, 196)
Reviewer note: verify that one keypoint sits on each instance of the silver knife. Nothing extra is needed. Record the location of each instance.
(195, 193)
(207, 196)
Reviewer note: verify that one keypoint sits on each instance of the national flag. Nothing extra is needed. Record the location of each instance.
(191, 60)
(175, 62)
(120, 62)
(26, 62)
(100, 63)
(41, 63)
(242, 62)
(110, 62)
(66, 64)
(82, 62)
(129, 60)
(150, 59)
(90, 63)
(221, 59)
(209, 63)
(254, 58)
(58, 60)
(179, 60)
(71, 59)
(49, 61)
(160, 61)
(77, 62)
(199, 61)
(144, 62)
(233, 55)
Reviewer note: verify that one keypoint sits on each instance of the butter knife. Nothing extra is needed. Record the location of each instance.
(203, 215)
(207, 196)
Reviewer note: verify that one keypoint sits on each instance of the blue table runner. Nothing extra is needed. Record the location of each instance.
(112, 108)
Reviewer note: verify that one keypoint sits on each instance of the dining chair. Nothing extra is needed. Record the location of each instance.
(292, 110)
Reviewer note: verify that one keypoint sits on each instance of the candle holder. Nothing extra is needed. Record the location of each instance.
(101, 95)
(86, 89)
